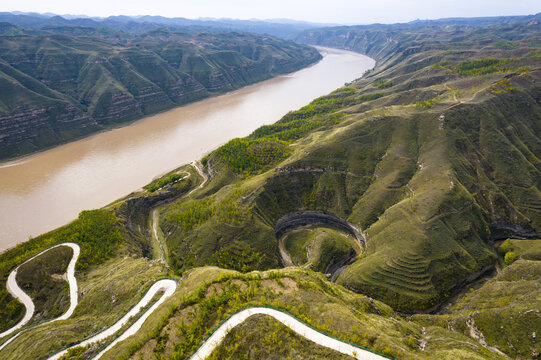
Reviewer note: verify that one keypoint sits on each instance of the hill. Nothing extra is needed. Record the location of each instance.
(394, 196)
(432, 157)
(55, 88)
(142, 24)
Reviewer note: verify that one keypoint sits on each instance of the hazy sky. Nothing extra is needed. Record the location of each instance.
(329, 11)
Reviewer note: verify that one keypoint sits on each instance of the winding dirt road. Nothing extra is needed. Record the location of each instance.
(155, 223)
(167, 285)
(155, 214)
(307, 332)
(19, 294)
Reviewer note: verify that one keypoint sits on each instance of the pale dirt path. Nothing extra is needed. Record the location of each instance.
(286, 259)
(19, 294)
(167, 285)
(197, 166)
(155, 223)
(292, 323)
(156, 212)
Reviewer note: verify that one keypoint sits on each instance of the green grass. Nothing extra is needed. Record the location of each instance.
(98, 232)
(261, 337)
(50, 294)
(295, 243)
(326, 247)
(503, 307)
(212, 295)
(527, 249)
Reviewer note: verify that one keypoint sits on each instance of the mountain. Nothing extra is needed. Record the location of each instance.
(426, 160)
(55, 88)
(400, 213)
(142, 24)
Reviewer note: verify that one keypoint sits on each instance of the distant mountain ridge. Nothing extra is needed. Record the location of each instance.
(141, 24)
(277, 27)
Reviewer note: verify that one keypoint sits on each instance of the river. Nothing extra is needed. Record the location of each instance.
(46, 190)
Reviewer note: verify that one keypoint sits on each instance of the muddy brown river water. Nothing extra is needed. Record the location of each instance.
(46, 190)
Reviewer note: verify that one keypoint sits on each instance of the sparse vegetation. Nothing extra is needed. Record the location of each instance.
(161, 182)
(383, 83)
(429, 190)
(427, 103)
(41, 279)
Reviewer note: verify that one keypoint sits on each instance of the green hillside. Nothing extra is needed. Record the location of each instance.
(58, 87)
(392, 198)
(432, 157)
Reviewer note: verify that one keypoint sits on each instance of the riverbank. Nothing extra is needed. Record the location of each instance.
(53, 186)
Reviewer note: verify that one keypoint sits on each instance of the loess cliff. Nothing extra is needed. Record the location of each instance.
(55, 88)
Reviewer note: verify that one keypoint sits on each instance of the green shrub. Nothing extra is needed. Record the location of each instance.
(506, 45)
(501, 86)
(510, 257)
(98, 233)
(505, 247)
(205, 160)
(382, 83)
(479, 67)
(326, 104)
(193, 213)
(486, 66)
(238, 256)
(286, 131)
(161, 182)
(249, 156)
(426, 104)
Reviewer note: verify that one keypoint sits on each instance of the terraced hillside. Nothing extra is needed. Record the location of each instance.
(424, 167)
(54, 88)
(433, 155)
(492, 321)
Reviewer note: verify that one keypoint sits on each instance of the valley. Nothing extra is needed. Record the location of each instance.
(52, 187)
(57, 88)
(398, 214)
